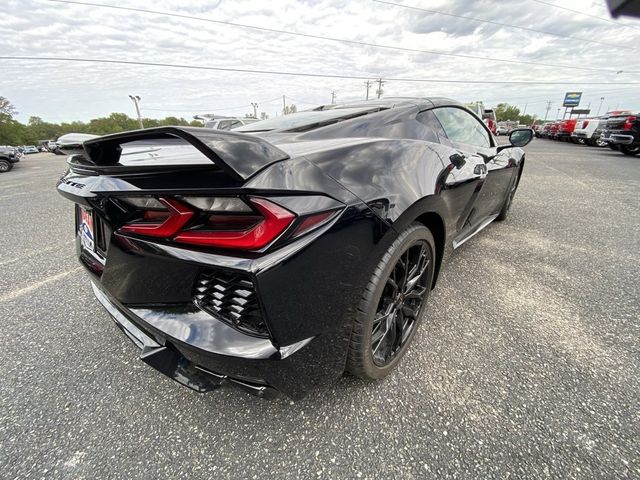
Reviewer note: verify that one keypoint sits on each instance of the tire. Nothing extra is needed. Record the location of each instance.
(383, 308)
(627, 150)
(612, 146)
(5, 165)
(504, 212)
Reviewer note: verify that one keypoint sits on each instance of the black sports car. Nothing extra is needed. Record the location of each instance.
(284, 253)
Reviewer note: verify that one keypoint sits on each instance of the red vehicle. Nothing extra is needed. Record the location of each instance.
(491, 125)
(565, 129)
(553, 130)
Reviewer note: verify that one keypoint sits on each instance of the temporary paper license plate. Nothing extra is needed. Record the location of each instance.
(86, 230)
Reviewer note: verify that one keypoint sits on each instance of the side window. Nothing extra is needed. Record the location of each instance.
(434, 128)
(225, 125)
(461, 127)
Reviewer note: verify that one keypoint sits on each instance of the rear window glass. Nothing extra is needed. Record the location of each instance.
(301, 119)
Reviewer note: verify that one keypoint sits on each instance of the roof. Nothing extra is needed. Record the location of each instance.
(393, 102)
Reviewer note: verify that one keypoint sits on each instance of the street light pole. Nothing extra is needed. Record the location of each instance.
(135, 99)
(255, 109)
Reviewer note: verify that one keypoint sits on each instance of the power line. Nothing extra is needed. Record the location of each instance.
(302, 74)
(285, 73)
(500, 24)
(585, 14)
(333, 39)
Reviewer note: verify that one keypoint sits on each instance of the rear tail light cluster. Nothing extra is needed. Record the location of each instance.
(585, 124)
(217, 222)
(628, 123)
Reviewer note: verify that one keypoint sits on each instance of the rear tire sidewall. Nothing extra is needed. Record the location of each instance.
(360, 361)
(630, 150)
(5, 166)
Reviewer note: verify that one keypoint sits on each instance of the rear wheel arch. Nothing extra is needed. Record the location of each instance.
(435, 224)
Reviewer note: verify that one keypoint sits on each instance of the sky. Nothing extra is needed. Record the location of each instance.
(66, 91)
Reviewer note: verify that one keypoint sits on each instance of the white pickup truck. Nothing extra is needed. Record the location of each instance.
(586, 131)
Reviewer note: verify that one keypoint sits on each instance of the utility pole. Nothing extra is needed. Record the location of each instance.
(379, 91)
(333, 98)
(548, 108)
(135, 99)
(368, 85)
(525, 109)
(284, 106)
(600, 106)
(255, 109)
(558, 114)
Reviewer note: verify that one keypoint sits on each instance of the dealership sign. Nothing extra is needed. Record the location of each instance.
(580, 111)
(572, 99)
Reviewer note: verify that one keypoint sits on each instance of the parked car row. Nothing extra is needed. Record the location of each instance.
(619, 130)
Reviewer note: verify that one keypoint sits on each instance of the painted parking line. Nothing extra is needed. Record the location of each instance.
(34, 286)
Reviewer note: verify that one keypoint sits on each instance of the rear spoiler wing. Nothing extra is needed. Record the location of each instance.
(239, 155)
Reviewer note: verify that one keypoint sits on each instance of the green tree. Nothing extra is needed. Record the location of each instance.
(7, 110)
(289, 109)
(504, 112)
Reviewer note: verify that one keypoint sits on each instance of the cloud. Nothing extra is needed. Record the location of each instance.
(70, 91)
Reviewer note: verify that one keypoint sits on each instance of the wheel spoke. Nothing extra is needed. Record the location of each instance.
(418, 270)
(392, 283)
(405, 266)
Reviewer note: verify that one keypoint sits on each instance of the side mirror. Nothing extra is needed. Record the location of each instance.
(520, 137)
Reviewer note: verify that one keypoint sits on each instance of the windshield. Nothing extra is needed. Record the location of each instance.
(304, 119)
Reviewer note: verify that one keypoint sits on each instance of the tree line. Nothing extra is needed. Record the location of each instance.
(13, 132)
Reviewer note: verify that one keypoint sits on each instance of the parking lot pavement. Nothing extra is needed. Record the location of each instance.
(526, 364)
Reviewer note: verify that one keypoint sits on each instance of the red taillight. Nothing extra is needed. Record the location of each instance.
(275, 222)
(585, 123)
(628, 123)
(231, 222)
(163, 223)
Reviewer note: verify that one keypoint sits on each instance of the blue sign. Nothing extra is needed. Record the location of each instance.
(572, 99)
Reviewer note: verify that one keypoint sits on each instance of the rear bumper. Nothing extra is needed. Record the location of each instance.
(307, 302)
(248, 363)
(619, 139)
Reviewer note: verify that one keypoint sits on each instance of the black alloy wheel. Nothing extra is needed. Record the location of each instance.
(400, 303)
(392, 304)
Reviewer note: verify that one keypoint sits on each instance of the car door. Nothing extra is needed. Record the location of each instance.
(470, 136)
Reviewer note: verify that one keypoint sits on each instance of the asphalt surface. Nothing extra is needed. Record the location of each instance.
(526, 364)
